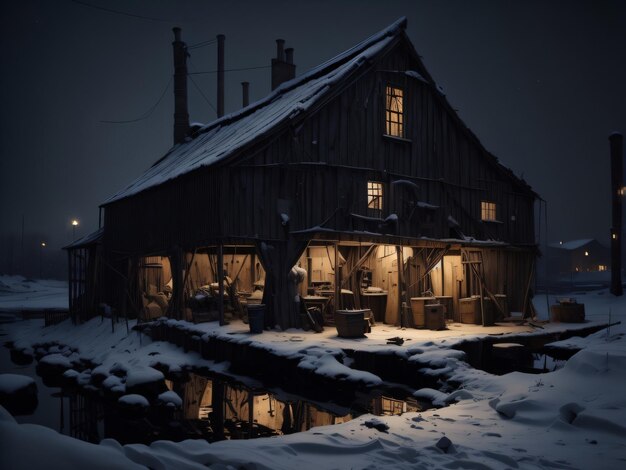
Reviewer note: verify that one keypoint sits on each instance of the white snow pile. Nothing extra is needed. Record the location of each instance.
(134, 400)
(326, 364)
(171, 398)
(13, 383)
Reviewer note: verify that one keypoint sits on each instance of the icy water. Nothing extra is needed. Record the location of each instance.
(214, 407)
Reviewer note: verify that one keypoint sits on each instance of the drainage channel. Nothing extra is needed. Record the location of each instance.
(212, 407)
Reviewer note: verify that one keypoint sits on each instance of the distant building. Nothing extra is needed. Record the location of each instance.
(578, 256)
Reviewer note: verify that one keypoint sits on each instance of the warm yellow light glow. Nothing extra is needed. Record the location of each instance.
(586, 253)
(487, 210)
(602, 267)
(394, 112)
(43, 243)
(374, 195)
(74, 222)
(614, 236)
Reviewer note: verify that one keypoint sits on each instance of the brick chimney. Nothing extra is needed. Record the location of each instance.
(283, 68)
(181, 114)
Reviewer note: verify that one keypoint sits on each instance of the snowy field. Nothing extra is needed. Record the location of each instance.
(574, 417)
(18, 293)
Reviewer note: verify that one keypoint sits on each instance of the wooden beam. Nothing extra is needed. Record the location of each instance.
(220, 282)
(358, 264)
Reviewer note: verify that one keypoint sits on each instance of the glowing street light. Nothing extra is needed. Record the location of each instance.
(41, 247)
(74, 225)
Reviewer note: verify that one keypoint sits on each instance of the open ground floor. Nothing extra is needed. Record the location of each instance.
(304, 283)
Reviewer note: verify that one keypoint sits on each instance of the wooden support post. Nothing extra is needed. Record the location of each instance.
(251, 413)
(220, 282)
(400, 281)
(309, 268)
(252, 270)
(217, 405)
(338, 303)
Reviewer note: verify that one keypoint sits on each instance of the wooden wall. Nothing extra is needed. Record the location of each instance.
(316, 172)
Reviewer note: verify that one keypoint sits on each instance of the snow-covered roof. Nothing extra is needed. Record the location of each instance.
(86, 240)
(572, 244)
(233, 132)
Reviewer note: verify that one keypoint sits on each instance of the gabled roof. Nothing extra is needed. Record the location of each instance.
(88, 240)
(229, 134)
(572, 244)
(232, 132)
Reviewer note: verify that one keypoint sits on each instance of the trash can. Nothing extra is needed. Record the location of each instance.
(256, 317)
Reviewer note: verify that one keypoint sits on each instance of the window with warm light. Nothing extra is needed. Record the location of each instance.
(602, 267)
(375, 195)
(394, 111)
(488, 211)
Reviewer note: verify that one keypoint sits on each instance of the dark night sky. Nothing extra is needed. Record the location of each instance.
(542, 84)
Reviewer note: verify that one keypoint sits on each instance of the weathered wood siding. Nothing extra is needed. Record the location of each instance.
(316, 171)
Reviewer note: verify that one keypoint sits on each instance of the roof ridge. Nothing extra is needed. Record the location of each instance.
(393, 29)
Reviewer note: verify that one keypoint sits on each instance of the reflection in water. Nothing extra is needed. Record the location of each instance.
(214, 408)
(230, 410)
(234, 411)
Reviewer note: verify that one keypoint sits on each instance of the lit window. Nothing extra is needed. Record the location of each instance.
(394, 112)
(374, 195)
(488, 210)
(602, 267)
(586, 253)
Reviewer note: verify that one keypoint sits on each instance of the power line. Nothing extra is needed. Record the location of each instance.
(202, 44)
(202, 93)
(231, 70)
(148, 113)
(118, 12)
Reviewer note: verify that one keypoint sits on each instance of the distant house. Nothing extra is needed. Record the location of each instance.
(578, 256)
(358, 171)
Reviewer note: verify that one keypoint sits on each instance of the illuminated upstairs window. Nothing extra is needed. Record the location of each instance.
(375, 195)
(488, 211)
(394, 112)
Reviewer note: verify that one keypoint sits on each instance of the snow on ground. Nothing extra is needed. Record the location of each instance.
(12, 383)
(18, 293)
(571, 418)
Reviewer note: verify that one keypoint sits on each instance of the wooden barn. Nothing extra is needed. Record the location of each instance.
(354, 185)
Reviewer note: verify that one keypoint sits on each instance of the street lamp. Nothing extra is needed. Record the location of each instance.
(74, 225)
(41, 247)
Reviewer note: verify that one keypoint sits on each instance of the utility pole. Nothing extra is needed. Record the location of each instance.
(617, 194)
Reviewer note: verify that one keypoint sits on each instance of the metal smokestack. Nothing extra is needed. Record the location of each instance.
(245, 93)
(280, 50)
(617, 191)
(181, 114)
(220, 75)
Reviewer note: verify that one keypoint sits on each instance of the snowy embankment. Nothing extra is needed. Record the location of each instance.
(571, 418)
(18, 294)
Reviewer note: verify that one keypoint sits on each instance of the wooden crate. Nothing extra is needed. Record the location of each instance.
(567, 313)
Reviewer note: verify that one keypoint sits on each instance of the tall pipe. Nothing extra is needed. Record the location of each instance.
(181, 114)
(617, 193)
(245, 91)
(280, 50)
(220, 75)
(289, 55)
